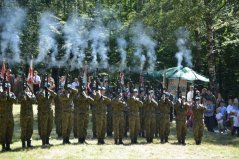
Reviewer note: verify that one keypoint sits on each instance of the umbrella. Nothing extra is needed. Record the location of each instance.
(184, 73)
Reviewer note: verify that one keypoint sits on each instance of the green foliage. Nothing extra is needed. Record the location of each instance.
(165, 17)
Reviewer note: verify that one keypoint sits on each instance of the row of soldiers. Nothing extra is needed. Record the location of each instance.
(72, 108)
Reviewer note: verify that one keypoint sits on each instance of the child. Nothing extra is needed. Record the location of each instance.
(219, 118)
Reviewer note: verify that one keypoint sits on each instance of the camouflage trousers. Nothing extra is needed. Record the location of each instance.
(150, 125)
(100, 125)
(26, 123)
(82, 124)
(6, 128)
(45, 124)
(181, 128)
(67, 123)
(118, 126)
(198, 128)
(164, 129)
(58, 122)
(134, 126)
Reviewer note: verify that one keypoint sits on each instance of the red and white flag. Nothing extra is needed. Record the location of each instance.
(30, 73)
(3, 71)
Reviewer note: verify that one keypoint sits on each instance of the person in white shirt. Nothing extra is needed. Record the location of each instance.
(235, 114)
(36, 82)
(75, 84)
(190, 95)
(219, 118)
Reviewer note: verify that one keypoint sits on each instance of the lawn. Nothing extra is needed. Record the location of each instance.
(214, 145)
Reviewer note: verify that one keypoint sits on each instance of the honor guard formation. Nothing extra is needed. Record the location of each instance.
(123, 109)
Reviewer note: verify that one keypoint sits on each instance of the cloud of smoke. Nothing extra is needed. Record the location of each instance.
(142, 40)
(49, 28)
(11, 22)
(183, 53)
(76, 41)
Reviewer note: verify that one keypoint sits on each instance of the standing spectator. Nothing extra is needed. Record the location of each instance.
(235, 115)
(51, 82)
(36, 82)
(208, 115)
(190, 95)
(223, 110)
(229, 112)
(75, 84)
(219, 118)
(219, 99)
(212, 97)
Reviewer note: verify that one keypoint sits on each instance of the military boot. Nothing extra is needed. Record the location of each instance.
(120, 141)
(47, 141)
(3, 148)
(116, 141)
(166, 139)
(179, 141)
(8, 147)
(183, 141)
(148, 140)
(43, 142)
(29, 145)
(161, 140)
(102, 141)
(64, 141)
(99, 141)
(68, 140)
(151, 140)
(83, 140)
(23, 144)
(132, 141)
(135, 140)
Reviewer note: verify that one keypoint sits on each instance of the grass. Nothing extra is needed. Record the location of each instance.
(214, 145)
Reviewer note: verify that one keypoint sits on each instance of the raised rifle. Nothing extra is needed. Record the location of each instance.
(46, 87)
(66, 81)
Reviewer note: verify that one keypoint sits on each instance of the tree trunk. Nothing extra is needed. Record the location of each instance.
(198, 62)
(210, 54)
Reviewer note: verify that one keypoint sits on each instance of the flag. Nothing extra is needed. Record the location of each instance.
(3, 69)
(30, 73)
(8, 75)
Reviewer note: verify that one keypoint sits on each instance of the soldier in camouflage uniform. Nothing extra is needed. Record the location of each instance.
(26, 116)
(45, 114)
(7, 99)
(150, 106)
(164, 107)
(134, 124)
(66, 99)
(109, 120)
(181, 108)
(197, 118)
(101, 102)
(58, 120)
(142, 114)
(82, 102)
(118, 118)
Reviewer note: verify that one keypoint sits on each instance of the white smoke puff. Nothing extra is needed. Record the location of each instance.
(49, 28)
(142, 39)
(183, 53)
(76, 41)
(11, 22)
(122, 45)
(99, 37)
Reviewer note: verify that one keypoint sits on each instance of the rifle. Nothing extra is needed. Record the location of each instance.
(97, 80)
(194, 93)
(66, 81)
(46, 87)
